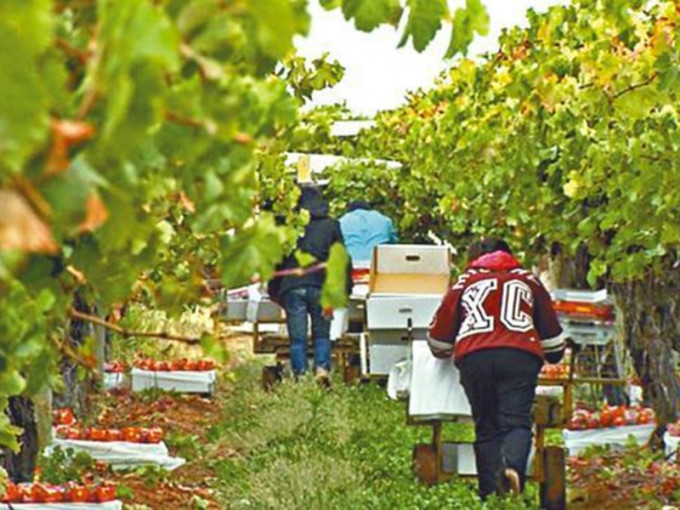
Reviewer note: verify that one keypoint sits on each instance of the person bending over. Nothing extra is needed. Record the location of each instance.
(498, 323)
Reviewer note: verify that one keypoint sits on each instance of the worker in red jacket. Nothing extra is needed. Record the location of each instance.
(499, 324)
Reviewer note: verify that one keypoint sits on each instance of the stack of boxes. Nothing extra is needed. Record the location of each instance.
(406, 285)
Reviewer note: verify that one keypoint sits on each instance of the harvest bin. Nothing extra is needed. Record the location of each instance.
(406, 286)
(184, 381)
(109, 505)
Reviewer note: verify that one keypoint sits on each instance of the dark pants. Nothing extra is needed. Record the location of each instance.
(299, 303)
(500, 385)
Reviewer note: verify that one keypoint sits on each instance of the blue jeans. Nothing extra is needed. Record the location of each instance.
(500, 385)
(298, 303)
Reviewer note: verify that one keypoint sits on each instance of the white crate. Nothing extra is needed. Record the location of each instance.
(397, 312)
(121, 454)
(580, 296)
(411, 259)
(383, 355)
(109, 505)
(578, 440)
(174, 380)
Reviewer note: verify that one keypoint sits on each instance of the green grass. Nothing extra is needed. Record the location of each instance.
(304, 447)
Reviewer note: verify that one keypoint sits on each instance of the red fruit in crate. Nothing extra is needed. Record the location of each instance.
(106, 492)
(13, 493)
(64, 417)
(154, 435)
(114, 435)
(39, 493)
(182, 364)
(54, 494)
(174, 365)
(606, 418)
(132, 434)
(97, 434)
(76, 493)
(209, 364)
(74, 433)
(643, 419)
(619, 421)
(593, 422)
(62, 431)
(191, 364)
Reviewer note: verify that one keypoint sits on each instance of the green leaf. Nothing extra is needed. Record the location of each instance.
(424, 20)
(334, 291)
(473, 18)
(369, 14)
(11, 382)
(276, 23)
(304, 259)
(254, 250)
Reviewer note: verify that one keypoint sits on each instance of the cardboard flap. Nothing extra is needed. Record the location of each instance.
(410, 283)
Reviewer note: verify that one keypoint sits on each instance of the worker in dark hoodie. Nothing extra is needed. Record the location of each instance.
(499, 325)
(300, 296)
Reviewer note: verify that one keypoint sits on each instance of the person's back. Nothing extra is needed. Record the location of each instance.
(364, 228)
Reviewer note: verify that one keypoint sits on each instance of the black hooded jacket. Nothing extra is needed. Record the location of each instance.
(320, 234)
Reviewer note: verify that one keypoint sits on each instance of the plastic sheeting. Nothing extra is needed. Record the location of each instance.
(121, 454)
(109, 505)
(174, 380)
(578, 440)
(435, 390)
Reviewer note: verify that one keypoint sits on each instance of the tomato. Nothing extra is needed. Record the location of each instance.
(619, 421)
(114, 435)
(154, 435)
(74, 433)
(132, 434)
(174, 365)
(182, 363)
(106, 492)
(191, 364)
(62, 431)
(162, 366)
(76, 493)
(606, 418)
(64, 417)
(97, 434)
(13, 493)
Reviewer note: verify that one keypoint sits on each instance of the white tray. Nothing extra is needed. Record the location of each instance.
(578, 440)
(174, 380)
(121, 454)
(109, 505)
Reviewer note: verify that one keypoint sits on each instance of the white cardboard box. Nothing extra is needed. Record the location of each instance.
(182, 381)
(406, 285)
(397, 312)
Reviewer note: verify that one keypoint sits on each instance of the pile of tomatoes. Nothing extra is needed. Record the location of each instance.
(129, 434)
(71, 492)
(183, 364)
(115, 367)
(610, 416)
(63, 416)
(557, 371)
